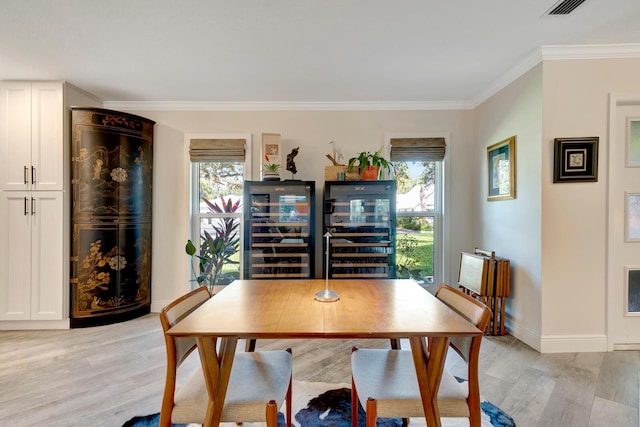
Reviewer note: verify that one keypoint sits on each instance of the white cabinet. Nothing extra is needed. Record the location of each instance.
(34, 202)
(32, 245)
(31, 255)
(31, 136)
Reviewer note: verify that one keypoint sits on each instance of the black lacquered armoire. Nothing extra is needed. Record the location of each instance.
(111, 181)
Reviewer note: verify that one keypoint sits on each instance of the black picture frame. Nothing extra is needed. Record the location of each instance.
(575, 159)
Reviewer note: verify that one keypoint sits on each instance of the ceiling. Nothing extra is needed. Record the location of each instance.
(294, 51)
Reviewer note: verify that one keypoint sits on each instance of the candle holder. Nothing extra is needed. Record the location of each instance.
(327, 295)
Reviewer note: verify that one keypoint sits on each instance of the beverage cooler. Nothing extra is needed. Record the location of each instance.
(279, 229)
(360, 218)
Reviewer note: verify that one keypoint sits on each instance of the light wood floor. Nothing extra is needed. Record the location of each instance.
(105, 375)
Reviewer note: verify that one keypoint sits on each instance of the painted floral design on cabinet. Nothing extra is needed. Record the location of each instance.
(113, 175)
(111, 216)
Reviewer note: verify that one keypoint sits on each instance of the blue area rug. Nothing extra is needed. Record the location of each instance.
(323, 405)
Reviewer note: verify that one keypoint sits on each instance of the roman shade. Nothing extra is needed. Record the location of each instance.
(221, 150)
(417, 149)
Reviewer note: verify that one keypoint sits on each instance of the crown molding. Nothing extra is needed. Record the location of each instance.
(285, 106)
(590, 51)
(530, 61)
(557, 52)
(543, 53)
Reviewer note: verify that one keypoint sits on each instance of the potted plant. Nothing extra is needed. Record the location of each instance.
(270, 171)
(216, 250)
(369, 164)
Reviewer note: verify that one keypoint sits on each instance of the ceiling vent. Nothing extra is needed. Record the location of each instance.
(564, 7)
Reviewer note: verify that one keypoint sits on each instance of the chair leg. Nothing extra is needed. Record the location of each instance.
(354, 405)
(372, 412)
(473, 399)
(289, 396)
(354, 398)
(250, 345)
(272, 414)
(165, 419)
(395, 343)
(474, 421)
(475, 417)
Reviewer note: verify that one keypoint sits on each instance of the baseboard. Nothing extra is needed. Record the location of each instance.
(523, 333)
(156, 306)
(625, 347)
(573, 343)
(20, 325)
(557, 343)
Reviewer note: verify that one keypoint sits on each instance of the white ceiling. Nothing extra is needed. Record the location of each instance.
(288, 51)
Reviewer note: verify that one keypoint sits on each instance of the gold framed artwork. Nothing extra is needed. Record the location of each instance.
(501, 164)
(575, 159)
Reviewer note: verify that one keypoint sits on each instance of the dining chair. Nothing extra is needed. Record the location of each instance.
(385, 383)
(258, 385)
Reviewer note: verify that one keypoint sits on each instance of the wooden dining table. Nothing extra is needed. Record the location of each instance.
(367, 308)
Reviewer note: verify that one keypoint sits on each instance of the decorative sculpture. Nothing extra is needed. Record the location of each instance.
(291, 165)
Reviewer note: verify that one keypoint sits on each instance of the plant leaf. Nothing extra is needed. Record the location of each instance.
(190, 248)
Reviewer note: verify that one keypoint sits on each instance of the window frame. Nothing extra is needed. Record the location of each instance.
(195, 215)
(440, 222)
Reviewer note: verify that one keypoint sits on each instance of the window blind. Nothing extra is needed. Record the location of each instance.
(417, 149)
(206, 150)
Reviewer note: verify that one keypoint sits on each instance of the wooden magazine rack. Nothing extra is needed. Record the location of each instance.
(487, 278)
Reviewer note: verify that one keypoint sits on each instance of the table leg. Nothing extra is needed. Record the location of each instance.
(429, 365)
(217, 370)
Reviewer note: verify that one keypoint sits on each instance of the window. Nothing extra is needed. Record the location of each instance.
(219, 167)
(418, 169)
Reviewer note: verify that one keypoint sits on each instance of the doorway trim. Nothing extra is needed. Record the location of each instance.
(615, 100)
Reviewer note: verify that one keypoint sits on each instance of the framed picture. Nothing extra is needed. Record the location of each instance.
(501, 162)
(633, 142)
(632, 291)
(575, 159)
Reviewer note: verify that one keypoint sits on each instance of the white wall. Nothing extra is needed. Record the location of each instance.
(554, 234)
(353, 131)
(511, 228)
(574, 215)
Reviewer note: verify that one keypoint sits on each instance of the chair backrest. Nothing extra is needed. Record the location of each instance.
(178, 348)
(471, 309)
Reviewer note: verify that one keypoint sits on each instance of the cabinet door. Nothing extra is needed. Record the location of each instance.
(15, 255)
(111, 268)
(15, 135)
(47, 257)
(31, 139)
(111, 168)
(47, 146)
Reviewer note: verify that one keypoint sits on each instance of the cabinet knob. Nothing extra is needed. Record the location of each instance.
(33, 175)
(25, 175)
